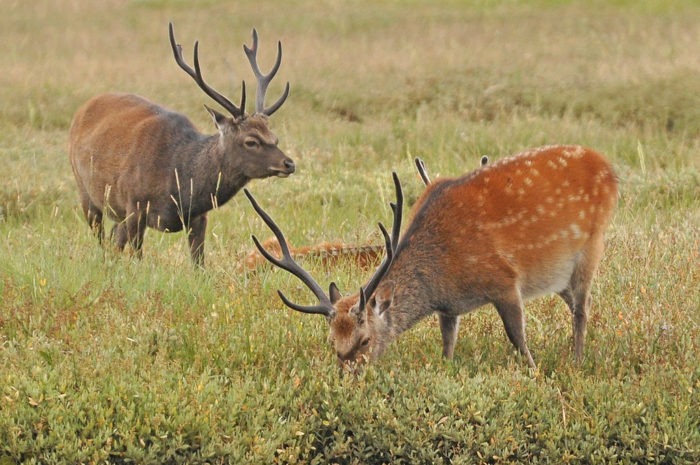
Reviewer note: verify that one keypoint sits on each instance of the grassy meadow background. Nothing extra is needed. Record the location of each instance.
(107, 359)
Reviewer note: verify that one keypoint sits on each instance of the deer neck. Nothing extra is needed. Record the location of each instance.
(211, 177)
(409, 289)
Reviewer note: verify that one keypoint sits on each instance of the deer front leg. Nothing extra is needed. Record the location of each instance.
(195, 236)
(449, 326)
(93, 215)
(130, 230)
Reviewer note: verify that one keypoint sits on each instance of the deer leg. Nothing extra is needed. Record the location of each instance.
(511, 313)
(93, 215)
(119, 235)
(195, 236)
(568, 298)
(449, 325)
(580, 287)
(132, 230)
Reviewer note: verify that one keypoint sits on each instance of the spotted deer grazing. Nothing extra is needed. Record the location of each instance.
(143, 165)
(521, 227)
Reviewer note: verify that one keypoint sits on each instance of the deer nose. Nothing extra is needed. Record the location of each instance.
(289, 165)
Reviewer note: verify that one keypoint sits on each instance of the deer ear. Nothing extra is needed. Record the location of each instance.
(334, 293)
(218, 118)
(382, 299)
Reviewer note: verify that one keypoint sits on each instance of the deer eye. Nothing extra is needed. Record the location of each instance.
(365, 342)
(252, 143)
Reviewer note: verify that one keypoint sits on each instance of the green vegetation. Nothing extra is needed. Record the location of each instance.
(107, 359)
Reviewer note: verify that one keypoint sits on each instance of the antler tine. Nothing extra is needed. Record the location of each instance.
(265, 79)
(325, 307)
(397, 209)
(371, 286)
(196, 74)
(422, 170)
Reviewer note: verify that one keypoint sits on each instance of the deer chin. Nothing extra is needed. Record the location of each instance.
(279, 173)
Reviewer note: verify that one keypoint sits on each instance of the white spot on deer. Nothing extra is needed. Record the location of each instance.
(562, 161)
(575, 231)
(582, 214)
(551, 164)
(534, 172)
(540, 209)
(527, 181)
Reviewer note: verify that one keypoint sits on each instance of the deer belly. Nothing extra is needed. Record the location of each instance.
(165, 222)
(550, 277)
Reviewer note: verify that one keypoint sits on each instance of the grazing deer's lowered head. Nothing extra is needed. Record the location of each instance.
(515, 229)
(146, 166)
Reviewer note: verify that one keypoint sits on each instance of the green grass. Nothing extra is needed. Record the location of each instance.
(108, 359)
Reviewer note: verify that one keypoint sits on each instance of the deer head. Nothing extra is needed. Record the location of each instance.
(243, 133)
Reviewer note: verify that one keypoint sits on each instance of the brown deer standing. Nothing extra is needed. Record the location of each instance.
(524, 226)
(144, 165)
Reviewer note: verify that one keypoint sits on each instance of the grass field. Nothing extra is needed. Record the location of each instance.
(108, 359)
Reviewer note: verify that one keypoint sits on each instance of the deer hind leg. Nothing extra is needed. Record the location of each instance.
(511, 312)
(195, 236)
(578, 295)
(449, 326)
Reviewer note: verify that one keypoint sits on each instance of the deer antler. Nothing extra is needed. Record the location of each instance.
(264, 80)
(423, 171)
(325, 307)
(391, 244)
(196, 74)
(397, 209)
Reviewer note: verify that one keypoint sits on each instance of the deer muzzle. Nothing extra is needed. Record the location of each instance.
(288, 167)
